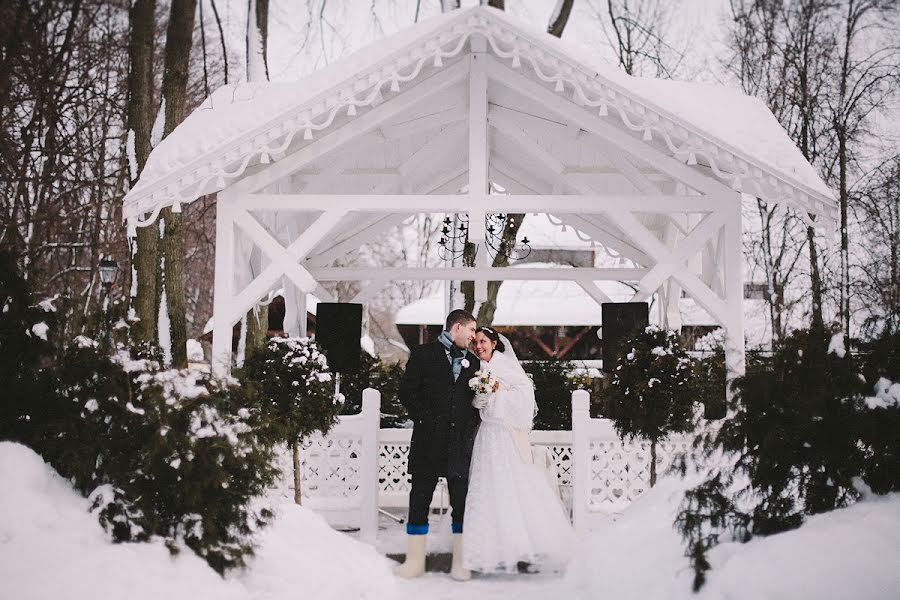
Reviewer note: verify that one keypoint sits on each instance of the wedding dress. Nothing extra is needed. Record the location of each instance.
(513, 514)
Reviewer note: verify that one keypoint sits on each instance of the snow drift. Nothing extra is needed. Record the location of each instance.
(52, 547)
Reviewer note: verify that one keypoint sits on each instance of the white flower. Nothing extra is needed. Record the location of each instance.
(465, 363)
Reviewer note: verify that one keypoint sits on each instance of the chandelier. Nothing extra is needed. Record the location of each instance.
(454, 235)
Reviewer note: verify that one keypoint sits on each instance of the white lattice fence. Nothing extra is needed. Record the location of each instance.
(337, 472)
(598, 473)
(613, 473)
(394, 480)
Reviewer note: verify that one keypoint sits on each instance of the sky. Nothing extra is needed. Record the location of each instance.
(301, 42)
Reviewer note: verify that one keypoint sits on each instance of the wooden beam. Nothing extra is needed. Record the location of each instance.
(442, 144)
(682, 251)
(610, 239)
(658, 252)
(625, 141)
(395, 131)
(592, 290)
(478, 161)
(283, 260)
(475, 274)
(555, 203)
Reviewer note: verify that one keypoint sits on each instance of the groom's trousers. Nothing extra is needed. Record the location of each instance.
(420, 499)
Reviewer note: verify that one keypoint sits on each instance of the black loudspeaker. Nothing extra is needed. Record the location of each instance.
(338, 329)
(620, 320)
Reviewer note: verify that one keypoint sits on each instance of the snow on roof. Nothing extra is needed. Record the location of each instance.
(734, 134)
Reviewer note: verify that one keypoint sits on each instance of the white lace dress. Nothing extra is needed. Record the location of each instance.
(512, 513)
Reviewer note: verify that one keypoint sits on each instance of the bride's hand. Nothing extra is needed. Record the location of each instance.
(480, 400)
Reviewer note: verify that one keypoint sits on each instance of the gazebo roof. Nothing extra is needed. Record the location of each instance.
(719, 132)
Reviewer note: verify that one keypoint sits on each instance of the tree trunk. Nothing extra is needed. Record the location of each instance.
(652, 463)
(179, 38)
(258, 14)
(560, 17)
(845, 238)
(140, 120)
(295, 448)
(816, 276)
(257, 327)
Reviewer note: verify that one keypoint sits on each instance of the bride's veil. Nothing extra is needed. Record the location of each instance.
(509, 352)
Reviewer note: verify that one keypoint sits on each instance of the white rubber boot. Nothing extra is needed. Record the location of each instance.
(457, 571)
(415, 558)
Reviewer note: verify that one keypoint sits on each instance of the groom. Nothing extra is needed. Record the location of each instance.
(435, 391)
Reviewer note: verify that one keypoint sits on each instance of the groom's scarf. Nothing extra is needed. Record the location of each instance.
(456, 353)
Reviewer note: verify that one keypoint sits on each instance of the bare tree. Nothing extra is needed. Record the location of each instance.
(637, 32)
(866, 78)
(878, 281)
(179, 39)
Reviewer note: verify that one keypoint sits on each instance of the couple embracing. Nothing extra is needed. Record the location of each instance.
(501, 502)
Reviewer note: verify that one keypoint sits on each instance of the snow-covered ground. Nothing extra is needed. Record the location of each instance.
(51, 547)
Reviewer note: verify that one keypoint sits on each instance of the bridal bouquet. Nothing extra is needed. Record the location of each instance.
(483, 383)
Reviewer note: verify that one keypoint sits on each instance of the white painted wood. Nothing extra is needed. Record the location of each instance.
(557, 204)
(625, 141)
(478, 158)
(369, 291)
(396, 131)
(581, 448)
(378, 226)
(594, 292)
(682, 251)
(713, 304)
(284, 260)
(368, 468)
(475, 273)
(734, 293)
(515, 174)
(224, 288)
(366, 122)
(600, 232)
(438, 146)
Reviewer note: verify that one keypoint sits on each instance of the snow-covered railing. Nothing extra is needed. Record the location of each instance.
(599, 474)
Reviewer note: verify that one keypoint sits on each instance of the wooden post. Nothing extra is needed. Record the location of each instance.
(581, 454)
(224, 287)
(368, 472)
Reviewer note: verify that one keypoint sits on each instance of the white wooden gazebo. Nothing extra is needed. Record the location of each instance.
(426, 120)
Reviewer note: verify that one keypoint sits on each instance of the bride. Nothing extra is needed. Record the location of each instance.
(513, 514)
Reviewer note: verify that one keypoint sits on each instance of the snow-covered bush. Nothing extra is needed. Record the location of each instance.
(803, 439)
(653, 391)
(169, 454)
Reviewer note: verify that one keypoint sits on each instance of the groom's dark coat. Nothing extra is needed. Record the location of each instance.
(445, 420)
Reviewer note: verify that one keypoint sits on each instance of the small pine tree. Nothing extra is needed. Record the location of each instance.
(652, 392)
(296, 393)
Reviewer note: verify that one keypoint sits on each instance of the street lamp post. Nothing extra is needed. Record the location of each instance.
(108, 270)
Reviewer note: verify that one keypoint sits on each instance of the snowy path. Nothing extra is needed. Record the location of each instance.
(438, 586)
